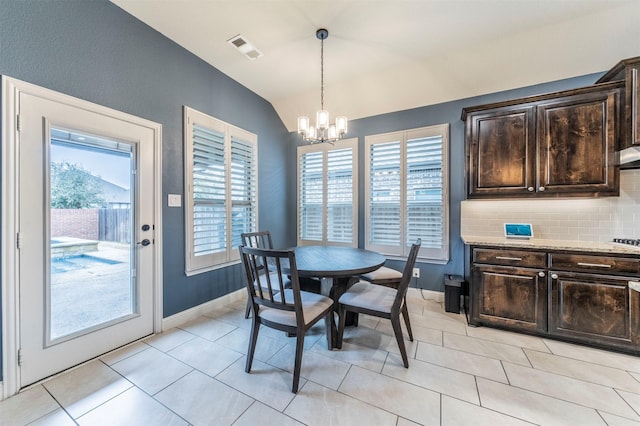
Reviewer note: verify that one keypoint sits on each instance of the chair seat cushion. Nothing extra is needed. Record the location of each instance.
(313, 306)
(369, 296)
(383, 274)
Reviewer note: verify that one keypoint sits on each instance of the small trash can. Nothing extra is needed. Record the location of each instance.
(452, 291)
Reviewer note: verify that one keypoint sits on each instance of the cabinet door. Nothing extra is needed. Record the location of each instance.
(501, 152)
(509, 297)
(597, 309)
(576, 142)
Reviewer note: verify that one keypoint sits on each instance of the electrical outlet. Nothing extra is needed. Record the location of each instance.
(416, 272)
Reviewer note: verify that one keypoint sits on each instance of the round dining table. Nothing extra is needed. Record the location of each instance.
(336, 266)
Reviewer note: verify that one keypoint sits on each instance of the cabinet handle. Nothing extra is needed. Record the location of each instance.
(594, 265)
(508, 258)
(541, 274)
(554, 276)
(530, 189)
(541, 189)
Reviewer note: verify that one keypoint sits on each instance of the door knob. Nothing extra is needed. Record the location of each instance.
(144, 242)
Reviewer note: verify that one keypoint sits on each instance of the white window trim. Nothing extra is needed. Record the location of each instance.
(325, 148)
(429, 255)
(231, 255)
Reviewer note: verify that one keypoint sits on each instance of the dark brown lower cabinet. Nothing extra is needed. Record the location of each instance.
(598, 309)
(510, 297)
(590, 298)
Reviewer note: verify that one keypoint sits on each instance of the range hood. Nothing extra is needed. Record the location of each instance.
(629, 158)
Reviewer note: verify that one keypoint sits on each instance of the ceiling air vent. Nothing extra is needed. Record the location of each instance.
(245, 47)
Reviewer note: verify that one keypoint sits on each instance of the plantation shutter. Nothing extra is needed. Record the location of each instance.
(328, 193)
(385, 181)
(221, 190)
(340, 196)
(424, 191)
(209, 192)
(311, 196)
(243, 190)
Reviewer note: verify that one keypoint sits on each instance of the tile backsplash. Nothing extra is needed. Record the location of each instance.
(582, 219)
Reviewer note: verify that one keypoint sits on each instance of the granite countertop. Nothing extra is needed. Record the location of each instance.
(535, 243)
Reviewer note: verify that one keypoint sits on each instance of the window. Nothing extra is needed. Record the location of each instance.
(327, 194)
(221, 190)
(407, 195)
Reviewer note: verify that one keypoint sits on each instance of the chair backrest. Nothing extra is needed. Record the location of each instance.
(269, 289)
(260, 239)
(407, 273)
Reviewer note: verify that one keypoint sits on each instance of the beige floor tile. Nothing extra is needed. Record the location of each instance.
(201, 400)
(266, 347)
(124, 352)
(568, 389)
(439, 379)
(169, 339)
(321, 369)
(633, 399)
(317, 405)
(132, 407)
(56, 418)
(462, 361)
(84, 388)
(266, 383)
(230, 316)
(534, 407)
(613, 420)
(260, 414)
(460, 413)
(208, 328)
(403, 399)
(405, 422)
(151, 370)
(508, 337)
(352, 353)
(597, 356)
(27, 406)
(206, 356)
(583, 370)
(381, 337)
(486, 348)
(437, 322)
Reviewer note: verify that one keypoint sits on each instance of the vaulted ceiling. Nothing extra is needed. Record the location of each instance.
(390, 55)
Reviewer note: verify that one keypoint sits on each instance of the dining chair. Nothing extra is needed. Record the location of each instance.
(276, 306)
(390, 277)
(259, 239)
(380, 301)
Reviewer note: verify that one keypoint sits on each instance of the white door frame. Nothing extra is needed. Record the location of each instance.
(10, 279)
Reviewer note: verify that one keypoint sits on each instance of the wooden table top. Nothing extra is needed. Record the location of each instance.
(334, 261)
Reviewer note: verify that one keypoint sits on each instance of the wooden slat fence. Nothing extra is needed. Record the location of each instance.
(115, 225)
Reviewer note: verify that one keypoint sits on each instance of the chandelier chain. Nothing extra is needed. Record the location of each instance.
(322, 74)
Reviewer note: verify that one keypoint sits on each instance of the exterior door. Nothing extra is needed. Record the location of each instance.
(86, 234)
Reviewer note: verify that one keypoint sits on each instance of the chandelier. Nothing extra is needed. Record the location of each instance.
(322, 131)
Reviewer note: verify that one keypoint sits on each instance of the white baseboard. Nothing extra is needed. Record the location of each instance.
(197, 311)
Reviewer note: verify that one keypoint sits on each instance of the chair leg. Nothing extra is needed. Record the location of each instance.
(405, 315)
(330, 329)
(397, 330)
(246, 314)
(342, 314)
(298, 362)
(255, 327)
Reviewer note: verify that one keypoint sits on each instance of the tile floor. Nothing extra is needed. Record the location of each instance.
(458, 375)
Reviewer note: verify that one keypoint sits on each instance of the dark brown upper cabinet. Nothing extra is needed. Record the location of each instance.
(628, 70)
(554, 145)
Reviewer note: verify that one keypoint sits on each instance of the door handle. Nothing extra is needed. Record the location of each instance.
(144, 242)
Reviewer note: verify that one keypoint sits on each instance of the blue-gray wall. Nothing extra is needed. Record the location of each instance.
(93, 50)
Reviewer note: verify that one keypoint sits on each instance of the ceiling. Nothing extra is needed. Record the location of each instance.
(390, 55)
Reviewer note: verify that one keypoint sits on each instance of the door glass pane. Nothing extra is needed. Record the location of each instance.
(90, 283)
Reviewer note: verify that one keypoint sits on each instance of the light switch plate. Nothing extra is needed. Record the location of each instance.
(174, 200)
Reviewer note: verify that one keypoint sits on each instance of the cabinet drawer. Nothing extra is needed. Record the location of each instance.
(510, 257)
(604, 264)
